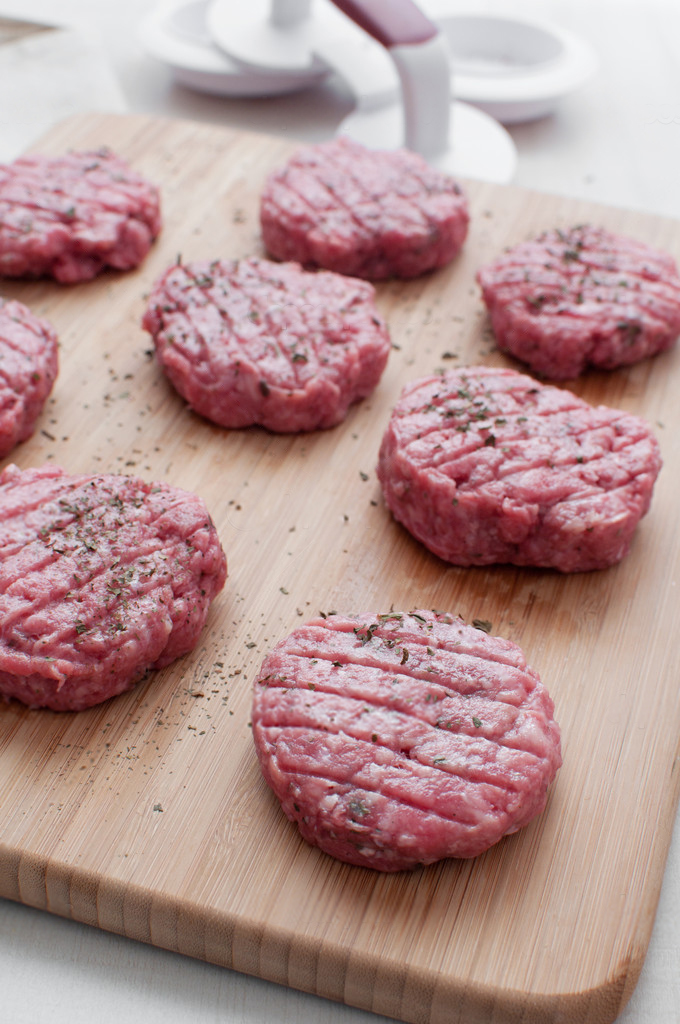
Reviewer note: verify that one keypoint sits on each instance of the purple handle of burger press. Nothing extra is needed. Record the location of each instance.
(421, 57)
(390, 22)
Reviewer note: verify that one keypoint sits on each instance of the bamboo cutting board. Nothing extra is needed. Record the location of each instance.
(147, 815)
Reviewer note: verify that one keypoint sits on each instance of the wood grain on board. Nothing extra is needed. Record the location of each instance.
(147, 815)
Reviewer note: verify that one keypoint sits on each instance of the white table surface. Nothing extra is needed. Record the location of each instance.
(616, 140)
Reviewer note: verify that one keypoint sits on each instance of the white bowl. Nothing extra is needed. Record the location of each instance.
(515, 70)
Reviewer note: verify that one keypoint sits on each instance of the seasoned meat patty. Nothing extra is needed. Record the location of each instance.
(584, 297)
(255, 342)
(485, 465)
(397, 740)
(28, 369)
(70, 216)
(370, 214)
(101, 578)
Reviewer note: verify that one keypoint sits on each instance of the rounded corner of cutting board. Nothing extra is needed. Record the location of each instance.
(421, 996)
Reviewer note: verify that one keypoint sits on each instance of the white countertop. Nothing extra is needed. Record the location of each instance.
(616, 140)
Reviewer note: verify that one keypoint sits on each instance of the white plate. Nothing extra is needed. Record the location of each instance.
(479, 147)
(175, 33)
(323, 38)
(514, 70)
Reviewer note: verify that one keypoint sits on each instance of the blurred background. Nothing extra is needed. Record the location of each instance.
(614, 138)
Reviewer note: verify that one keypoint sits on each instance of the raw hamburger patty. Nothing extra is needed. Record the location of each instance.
(570, 299)
(397, 740)
(101, 578)
(487, 465)
(256, 342)
(366, 213)
(28, 369)
(70, 216)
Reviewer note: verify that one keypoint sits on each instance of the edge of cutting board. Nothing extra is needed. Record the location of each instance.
(284, 958)
(419, 995)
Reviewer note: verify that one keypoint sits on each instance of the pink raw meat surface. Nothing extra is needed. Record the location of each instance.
(488, 465)
(101, 579)
(583, 297)
(256, 342)
(367, 213)
(70, 216)
(400, 739)
(28, 368)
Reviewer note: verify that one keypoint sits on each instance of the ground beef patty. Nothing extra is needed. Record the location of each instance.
(397, 740)
(583, 297)
(371, 214)
(70, 216)
(255, 342)
(28, 369)
(487, 465)
(101, 578)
